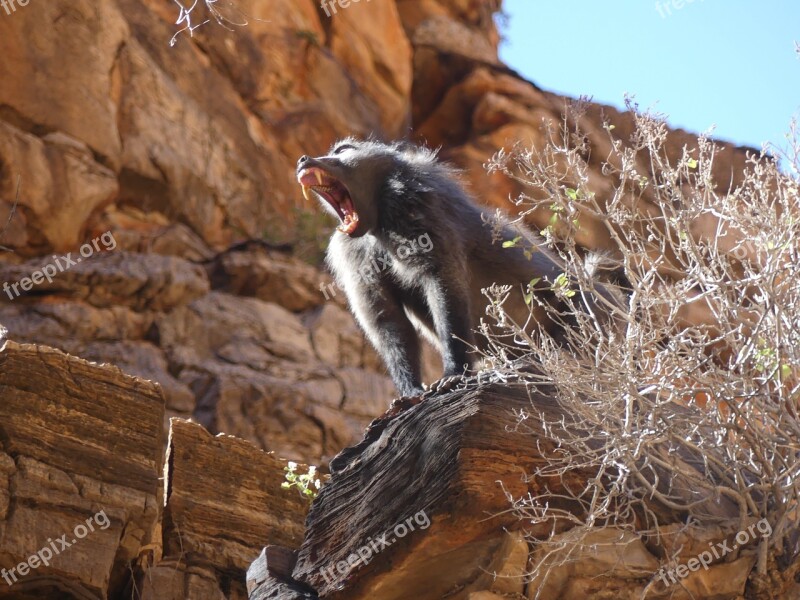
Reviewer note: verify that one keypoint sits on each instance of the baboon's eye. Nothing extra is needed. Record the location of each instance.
(342, 148)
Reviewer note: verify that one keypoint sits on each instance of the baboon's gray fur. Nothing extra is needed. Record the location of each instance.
(404, 196)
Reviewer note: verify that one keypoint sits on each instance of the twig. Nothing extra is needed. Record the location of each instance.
(11, 216)
(185, 16)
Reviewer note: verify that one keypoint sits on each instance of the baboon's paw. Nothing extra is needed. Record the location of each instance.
(445, 384)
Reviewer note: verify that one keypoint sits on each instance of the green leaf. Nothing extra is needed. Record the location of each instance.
(691, 163)
(534, 281)
(511, 243)
(572, 194)
(561, 284)
(304, 482)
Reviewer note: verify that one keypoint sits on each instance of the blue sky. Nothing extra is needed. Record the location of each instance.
(726, 62)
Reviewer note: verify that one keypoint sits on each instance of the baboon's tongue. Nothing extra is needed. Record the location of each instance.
(337, 196)
(349, 224)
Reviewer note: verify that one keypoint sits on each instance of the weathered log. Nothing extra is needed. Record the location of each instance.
(420, 508)
(436, 466)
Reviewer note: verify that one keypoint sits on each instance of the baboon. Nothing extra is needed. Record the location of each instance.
(413, 252)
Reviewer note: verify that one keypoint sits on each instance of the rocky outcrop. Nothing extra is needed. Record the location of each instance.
(98, 110)
(223, 496)
(82, 457)
(92, 507)
(301, 383)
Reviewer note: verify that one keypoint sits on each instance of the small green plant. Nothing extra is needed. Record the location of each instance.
(306, 483)
(561, 285)
(531, 287)
(527, 250)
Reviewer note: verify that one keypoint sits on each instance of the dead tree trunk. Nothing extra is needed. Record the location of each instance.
(420, 508)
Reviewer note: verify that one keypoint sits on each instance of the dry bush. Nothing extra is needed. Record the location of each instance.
(690, 401)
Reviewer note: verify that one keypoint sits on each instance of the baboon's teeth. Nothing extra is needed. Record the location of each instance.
(319, 177)
(306, 192)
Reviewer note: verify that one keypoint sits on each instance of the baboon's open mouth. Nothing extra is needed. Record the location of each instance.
(334, 192)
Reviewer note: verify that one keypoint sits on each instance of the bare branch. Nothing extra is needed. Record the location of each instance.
(193, 17)
(11, 216)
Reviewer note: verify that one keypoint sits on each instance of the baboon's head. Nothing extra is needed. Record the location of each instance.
(351, 180)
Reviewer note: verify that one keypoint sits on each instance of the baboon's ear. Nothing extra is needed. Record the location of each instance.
(377, 138)
(406, 145)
